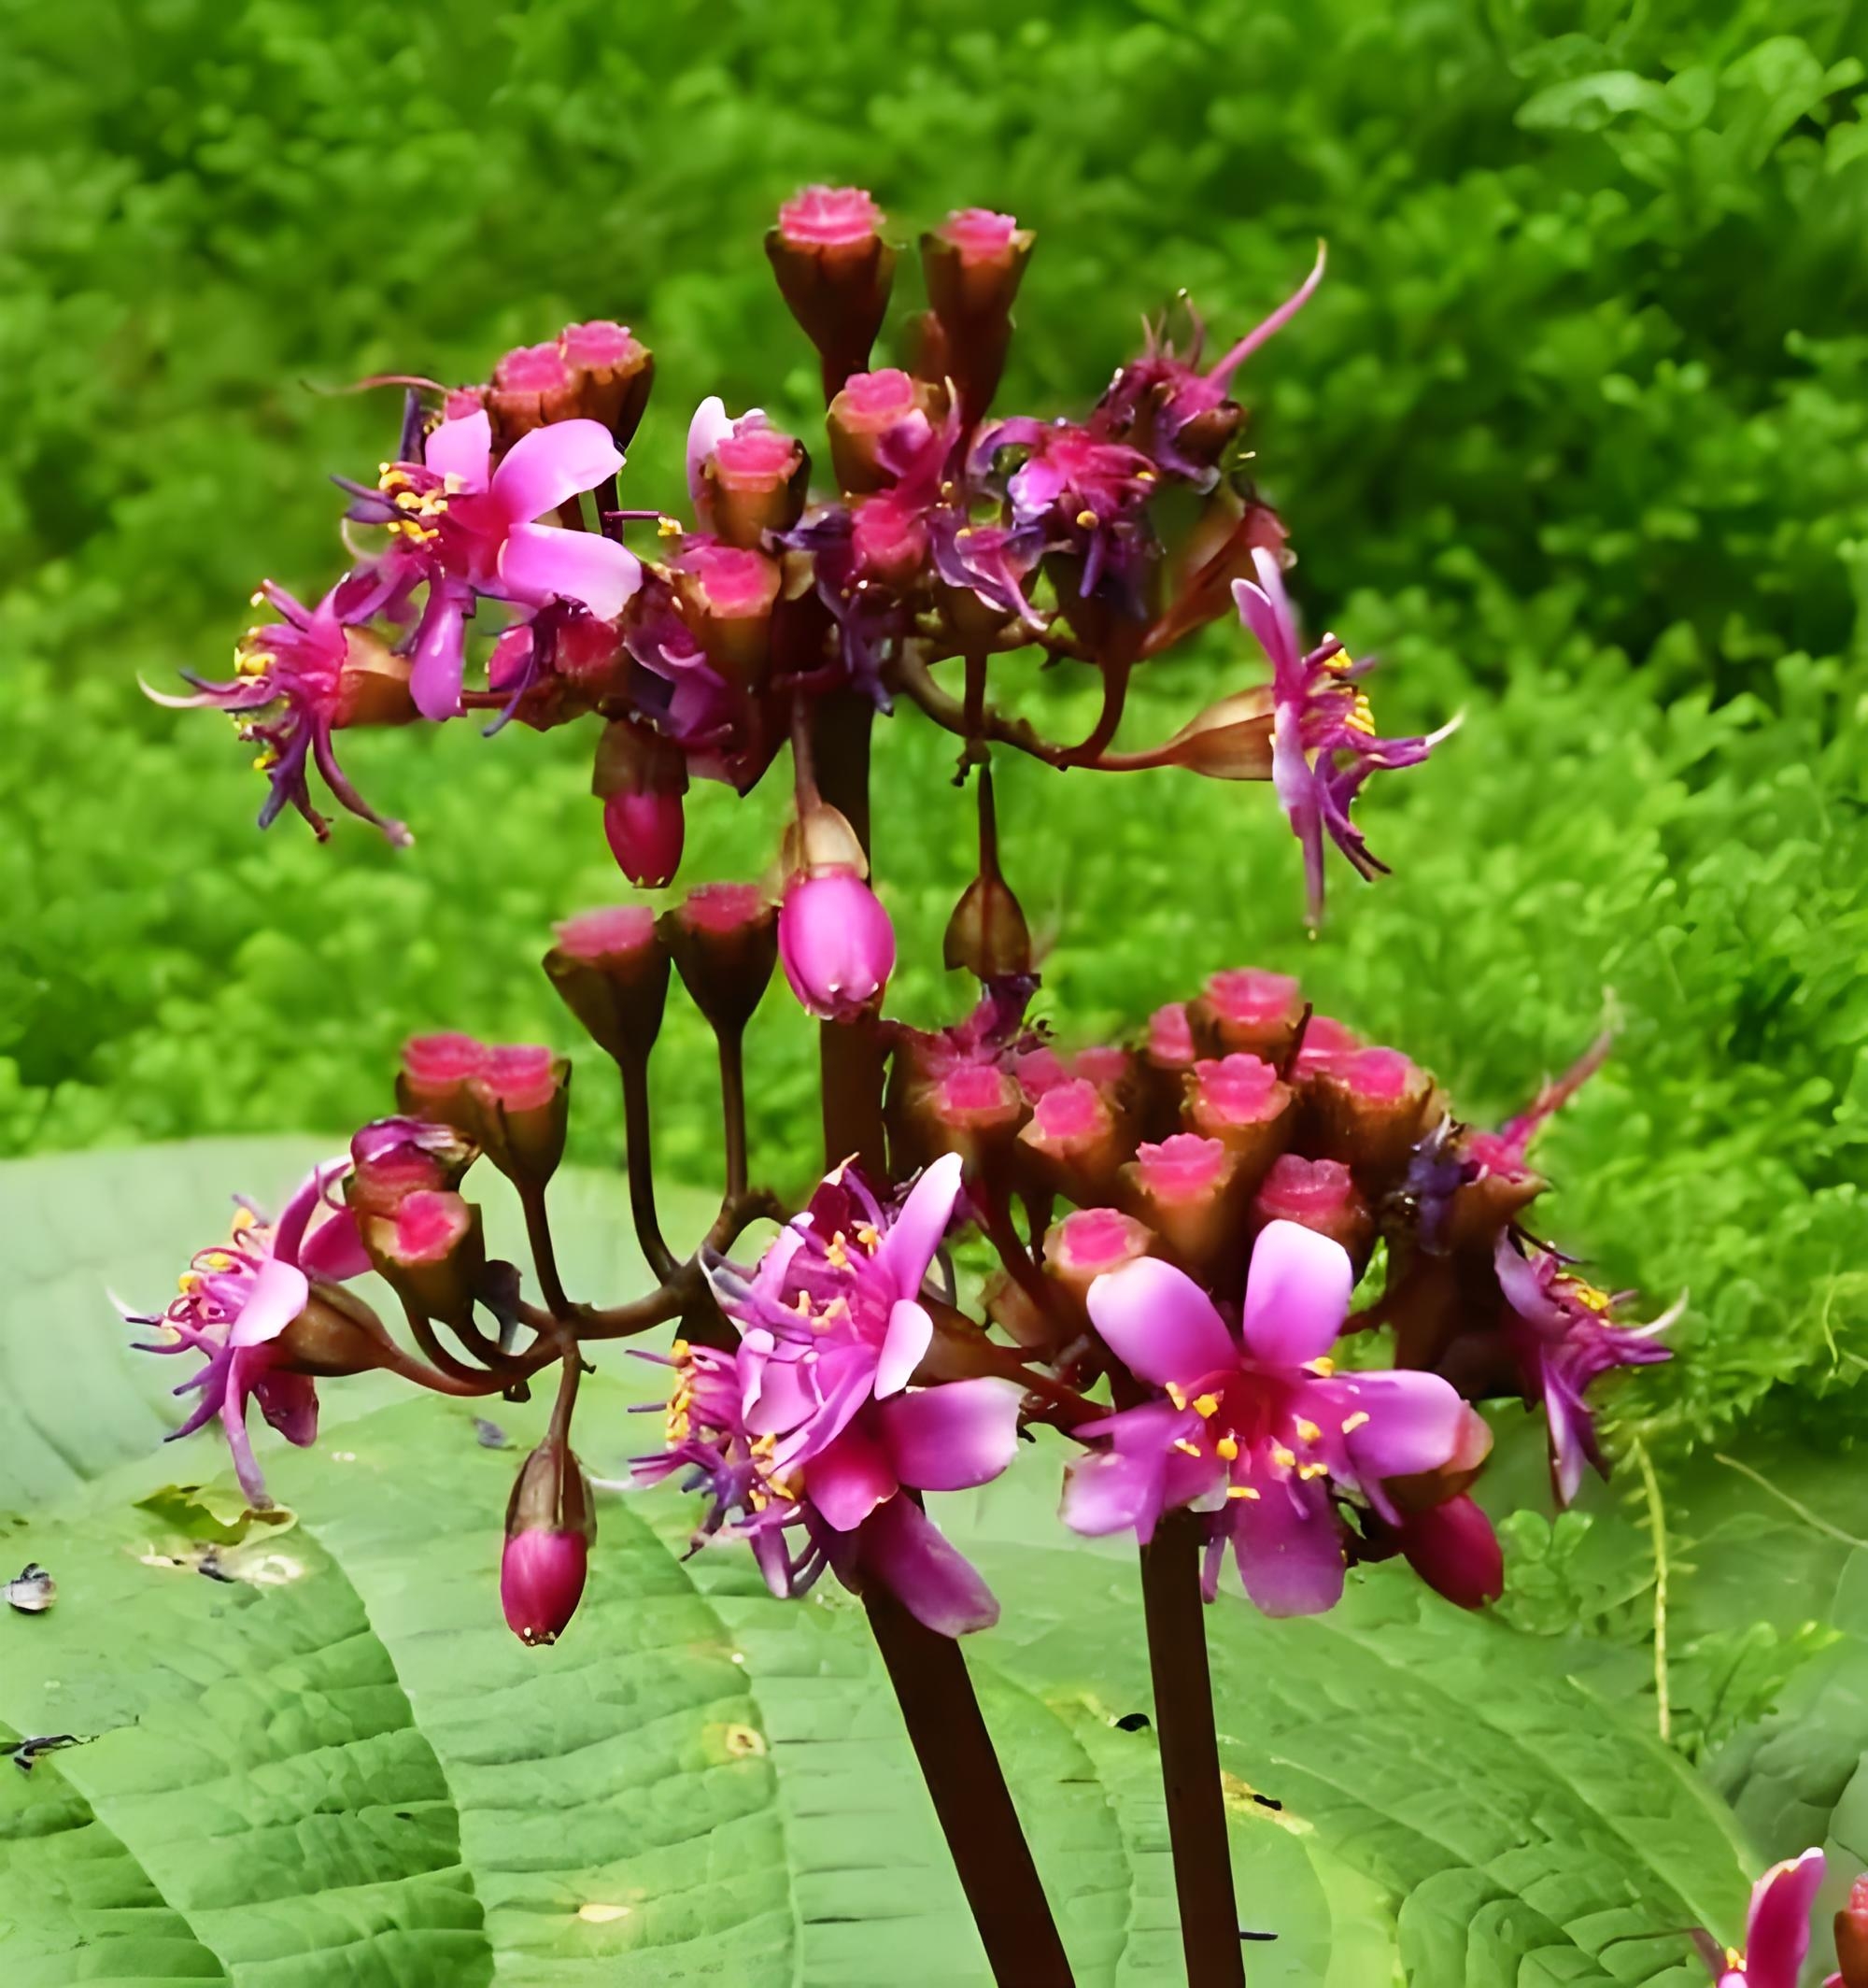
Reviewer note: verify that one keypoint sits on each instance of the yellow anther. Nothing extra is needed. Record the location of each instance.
(1309, 1471)
(1355, 1422)
(1176, 1396)
(188, 1284)
(1361, 718)
(244, 1219)
(1228, 1447)
(216, 1259)
(801, 1304)
(1087, 519)
(1187, 1448)
(1323, 1365)
(837, 1255)
(1285, 1459)
(1308, 1430)
(869, 1237)
(679, 1350)
(1206, 1405)
(1242, 1491)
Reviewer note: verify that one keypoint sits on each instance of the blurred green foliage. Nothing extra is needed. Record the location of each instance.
(1575, 434)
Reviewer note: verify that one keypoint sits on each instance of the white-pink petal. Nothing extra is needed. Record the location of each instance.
(461, 449)
(551, 465)
(1160, 1324)
(538, 563)
(904, 1346)
(278, 1295)
(952, 1437)
(1297, 1294)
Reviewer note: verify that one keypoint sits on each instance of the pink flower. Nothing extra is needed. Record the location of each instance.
(835, 944)
(238, 1297)
(828, 217)
(1324, 744)
(1259, 1431)
(1776, 1929)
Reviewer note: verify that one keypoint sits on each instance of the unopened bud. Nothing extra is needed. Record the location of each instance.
(1239, 1100)
(1326, 1042)
(875, 423)
(753, 478)
(728, 595)
(524, 1102)
(1366, 1107)
(1073, 1141)
(988, 936)
(391, 1157)
(973, 262)
(611, 971)
(431, 1251)
(335, 1335)
(532, 386)
(1107, 1065)
(974, 1110)
(724, 940)
(640, 778)
(1249, 1010)
(1851, 1937)
(1319, 1194)
(372, 684)
(1230, 740)
(1038, 1070)
(1454, 1549)
(1091, 1241)
(835, 944)
(888, 539)
(612, 372)
(434, 1079)
(550, 1523)
(834, 271)
(1182, 1187)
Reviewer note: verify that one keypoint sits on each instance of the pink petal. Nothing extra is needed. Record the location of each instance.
(335, 1251)
(277, 1296)
(539, 561)
(307, 1198)
(952, 1437)
(710, 427)
(1288, 1549)
(1777, 1927)
(780, 1392)
(435, 683)
(904, 1550)
(289, 1403)
(1110, 1491)
(551, 465)
(911, 1332)
(916, 1234)
(847, 1380)
(846, 1482)
(1297, 1294)
(1160, 1323)
(461, 448)
(1415, 1421)
(233, 1425)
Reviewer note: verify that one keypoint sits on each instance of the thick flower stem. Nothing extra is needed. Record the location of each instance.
(733, 1108)
(1190, 1756)
(639, 1162)
(970, 1798)
(851, 1054)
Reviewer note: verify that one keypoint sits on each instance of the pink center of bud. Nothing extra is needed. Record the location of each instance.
(617, 931)
(738, 584)
(979, 235)
(531, 369)
(886, 535)
(587, 649)
(1252, 998)
(754, 457)
(1382, 1076)
(460, 401)
(1326, 1042)
(1301, 1190)
(1038, 1070)
(386, 1183)
(434, 1061)
(1072, 1111)
(1238, 1089)
(429, 1225)
(598, 347)
(723, 907)
(970, 1090)
(873, 402)
(1094, 1240)
(826, 217)
(1102, 1063)
(519, 1075)
(1171, 1036)
(1180, 1168)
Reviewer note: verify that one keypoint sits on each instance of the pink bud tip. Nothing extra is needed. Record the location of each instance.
(646, 831)
(1171, 1036)
(1383, 1076)
(1094, 1240)
(458, 403)
(723, 908)
(434, 1061)
(1103, 1064)
(887, 538)
(1038, 1070)
(979, 235)
(1454, 1549)
(531, 369)
(1071, 1112)
(1304, 1190)
(541, 1582)
(619, 931)
(835, 944)
(429, 1224)
(827, 217)
(1496, 1154)
(1326, 1041)
(973, 1091)
(522, 1077)
(755, 457)
(387, 1182)
(737, 583)
(1180, 1168)
(873, 402)
(599, 346)
(1238, 1089)
(1253, 999)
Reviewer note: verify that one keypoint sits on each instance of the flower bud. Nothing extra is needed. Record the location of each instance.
(336, 1334)
(1107, 1065)
(434, 1078)
(889, 540)
(611, 971)
(1239, 1100)
(876, 422)
(724, 940)
(728, 595)
(973, 262)
(1317, 1194)
(1166, 1058)
(835, 944)
(987, 936)
(1851, 1937)
(1230, 740)
(550, 1523)
(1038, 1070)
(1454, 1549)
(834, 271)
(391, 1157)
(1090, 1242)
(1325, 1044)
(1367, 1107)
(974, 1110)
(640, 778)
(523, 1098)
(755, 478)
(532, 386)
(1506, 1185)
(611, 372)
(1423, 1489)
(372, 684)
(1072, 1141)
(1249, 1010)
(1184, 1190)
(431, 1251)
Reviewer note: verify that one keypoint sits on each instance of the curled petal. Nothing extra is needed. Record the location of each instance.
(1777, 1926)
(905, 1551)
(909, 1247)
(542, 562)
(848, 1480)
(954, 1437)
(551, 465)
(277, 1296)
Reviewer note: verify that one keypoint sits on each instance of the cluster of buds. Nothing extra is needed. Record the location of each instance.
(494, 570)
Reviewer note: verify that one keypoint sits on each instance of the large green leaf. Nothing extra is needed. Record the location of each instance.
(339, 1767)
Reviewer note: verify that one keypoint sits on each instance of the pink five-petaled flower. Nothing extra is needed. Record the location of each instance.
(1563, 1337)
(1776, 1929)
(832, 1329)
(472, 524)
(1259, 1431)
(238, 1297)
(1323, 743)
(295, 682)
